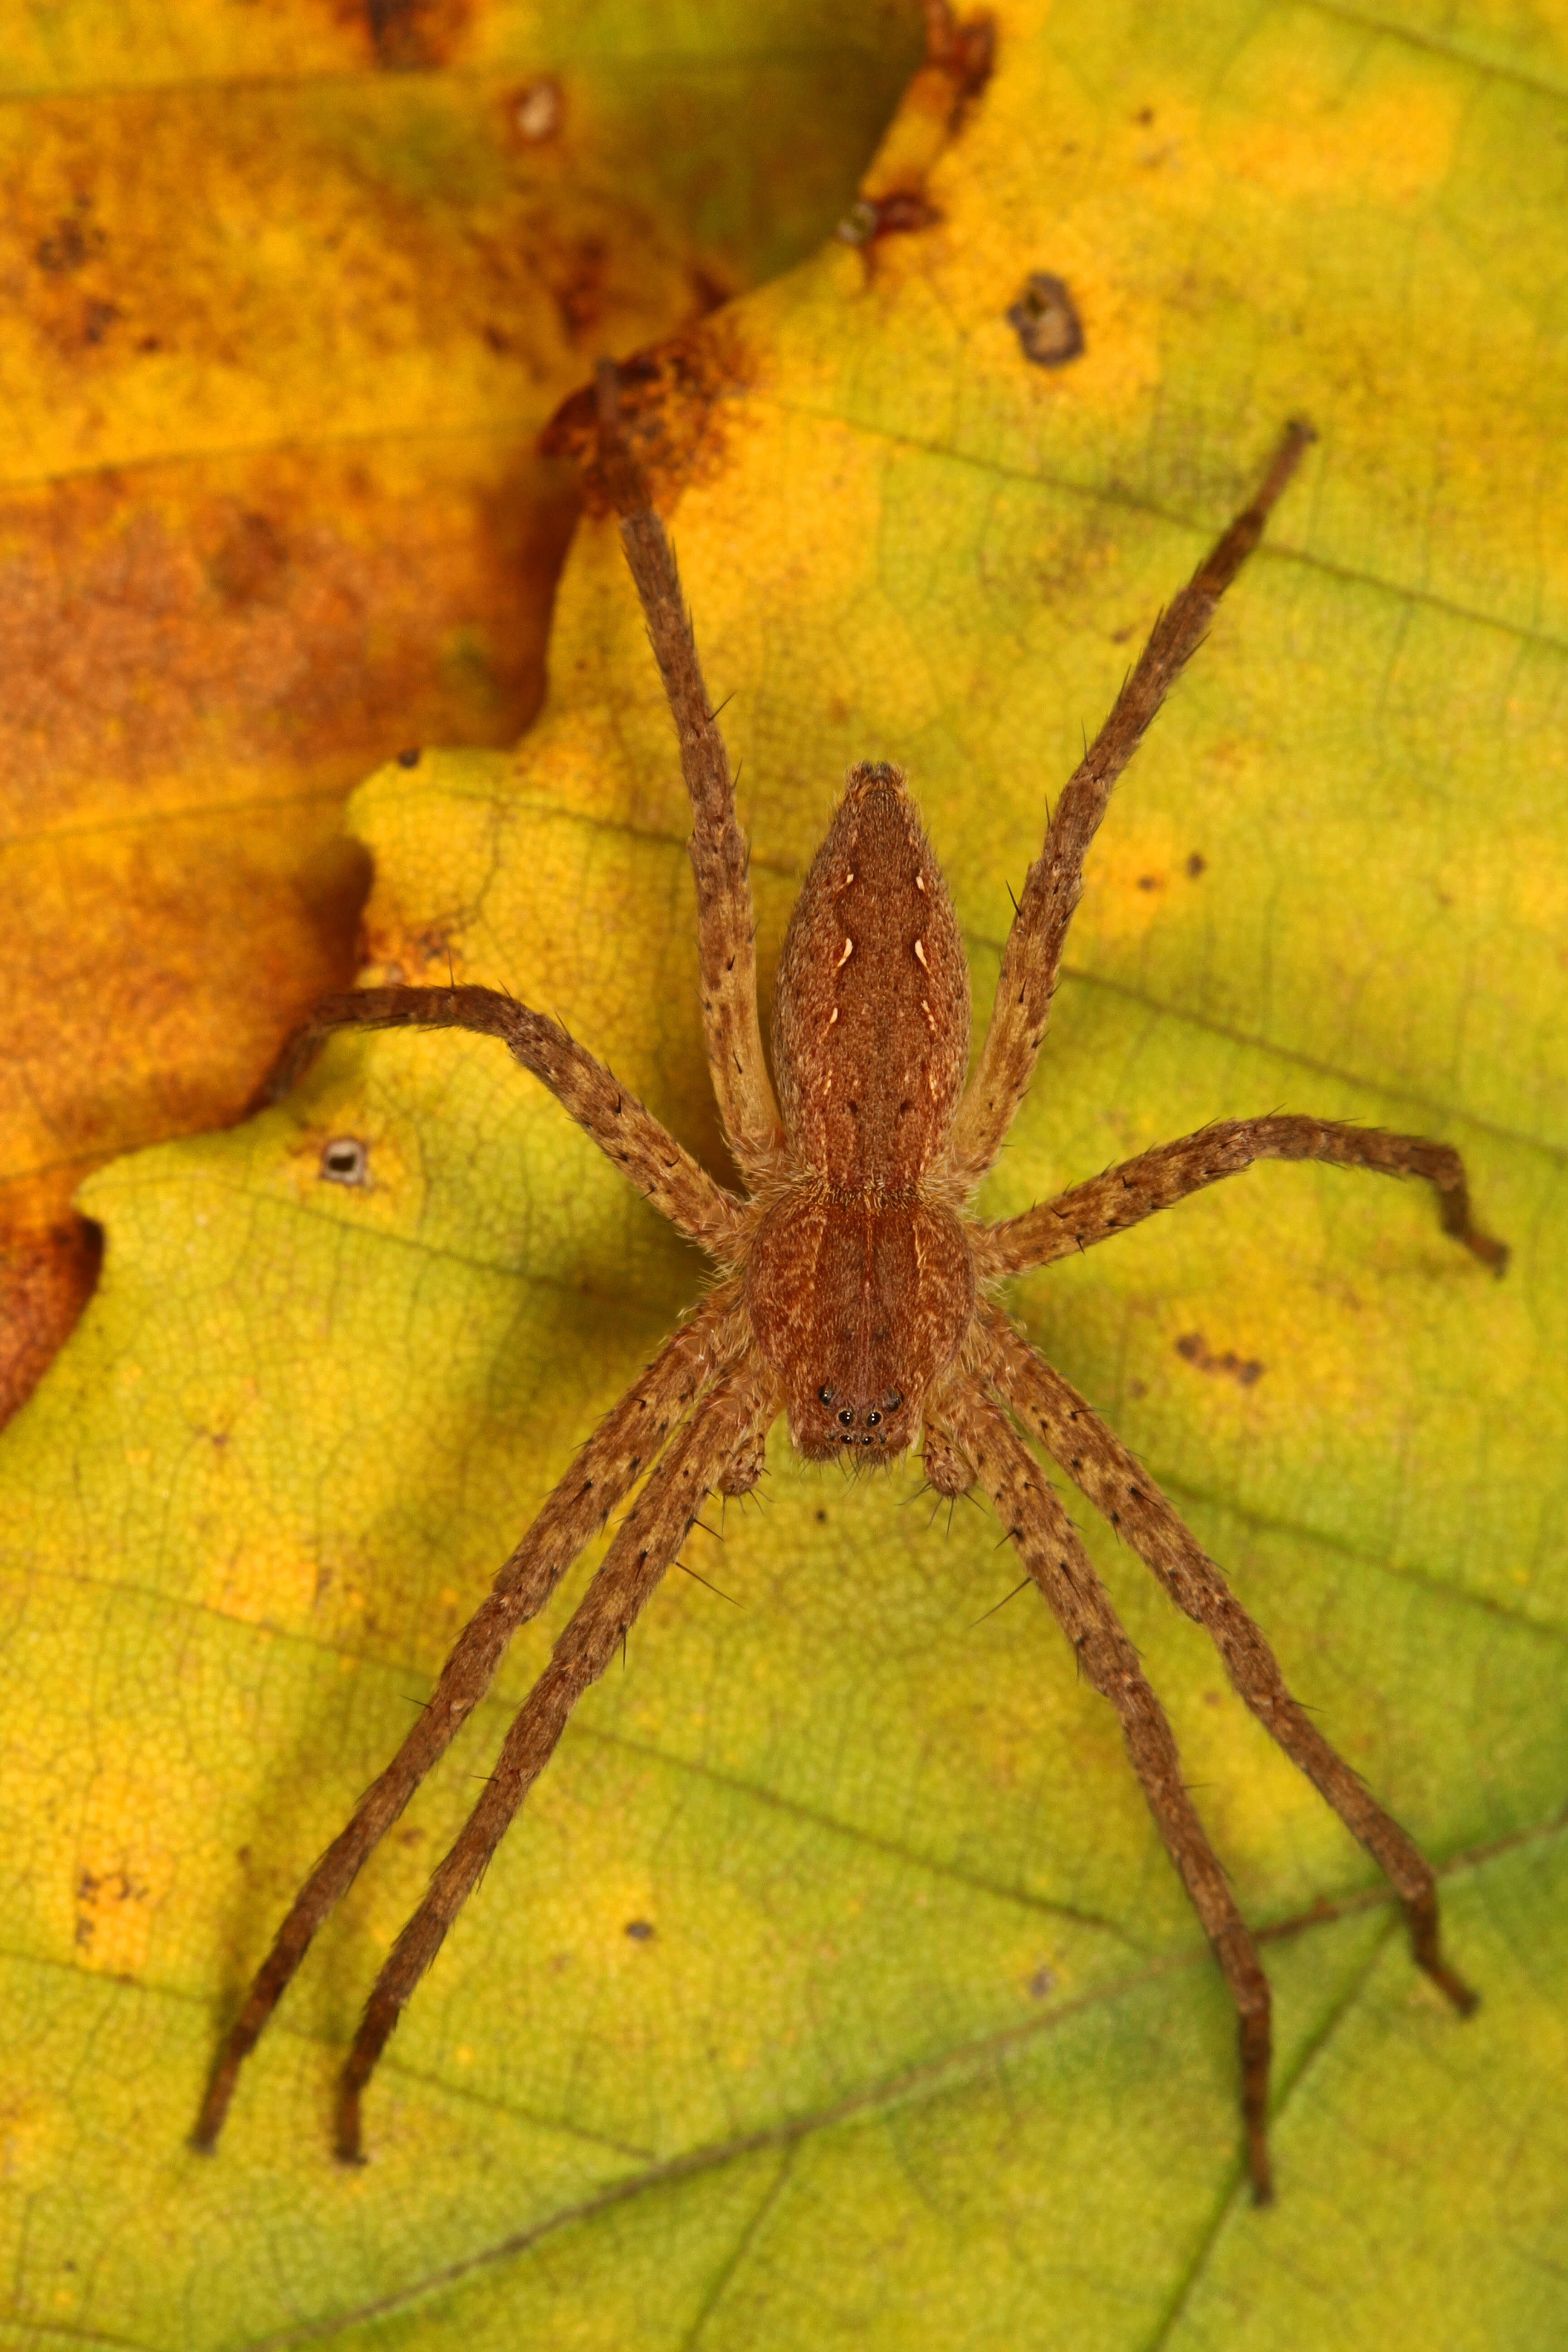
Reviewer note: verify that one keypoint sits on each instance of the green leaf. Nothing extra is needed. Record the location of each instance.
(925, 2046)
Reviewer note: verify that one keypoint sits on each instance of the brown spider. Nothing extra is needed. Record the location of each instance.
(852, 1296)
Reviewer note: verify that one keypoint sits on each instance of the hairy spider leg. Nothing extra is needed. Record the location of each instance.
(603, 1474)
(645, 1544)
(726, 925)
(1050, 1548)
(663, 1171)
(1099, 1463)
(1157, 1179)
(1032, 957)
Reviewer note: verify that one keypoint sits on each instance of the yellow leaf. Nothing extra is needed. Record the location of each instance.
(924, 2047)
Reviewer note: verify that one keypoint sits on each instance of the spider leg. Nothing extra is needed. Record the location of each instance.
(640, 1145)
(726, 927)
(1032, 957)
(604, 1473)
(1125, 1196)
(1050, 1548)
(645, 1544)
(1099, 1463)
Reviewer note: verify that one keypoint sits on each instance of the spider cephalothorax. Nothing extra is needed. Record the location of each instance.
(852, 1296)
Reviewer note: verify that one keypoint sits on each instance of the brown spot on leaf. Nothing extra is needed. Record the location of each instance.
(1046, 320)
(1194, 1349)
(108, 1931)
(897, 215)
(957, 62)
(248, 563)
(964, 49)
(415, 35)
(71, 243)
(672, 400)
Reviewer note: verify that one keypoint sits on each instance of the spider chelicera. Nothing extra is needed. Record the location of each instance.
(855, 1296)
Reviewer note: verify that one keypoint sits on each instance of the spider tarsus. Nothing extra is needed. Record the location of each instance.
(348, 2140)
(1256, 2050)
(1464, 1997)
(215, 2106)
(1421, 1913)
(241, 2039)
(1462, 1226)
(1260, 2169)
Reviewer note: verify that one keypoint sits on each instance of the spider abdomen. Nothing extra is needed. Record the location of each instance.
(858, 1302)
(871, 1007)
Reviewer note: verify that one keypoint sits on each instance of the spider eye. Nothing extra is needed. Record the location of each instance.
(891, 1403)
(872, 1419)
(825, 1396)
(847, 1418)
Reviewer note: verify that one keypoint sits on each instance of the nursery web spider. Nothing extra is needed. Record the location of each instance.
(853, 1296)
